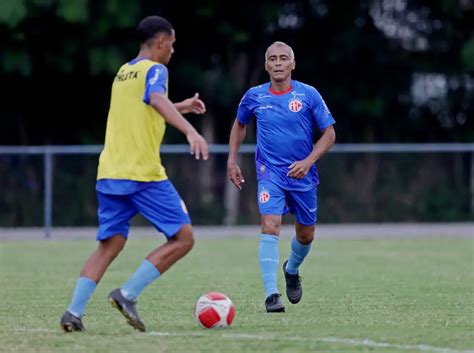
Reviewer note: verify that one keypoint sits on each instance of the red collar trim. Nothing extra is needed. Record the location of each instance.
(280, 93)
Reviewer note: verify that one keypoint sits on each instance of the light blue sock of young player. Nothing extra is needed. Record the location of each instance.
(297, 255)
(82, 292)
(143, 276)
(269, 260)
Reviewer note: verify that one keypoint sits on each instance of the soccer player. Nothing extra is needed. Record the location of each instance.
(286, 112)
(131, 178)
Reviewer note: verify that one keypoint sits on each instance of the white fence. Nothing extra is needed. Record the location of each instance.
(48, 152)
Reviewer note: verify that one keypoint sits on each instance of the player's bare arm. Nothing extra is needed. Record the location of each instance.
(198, 146)
(299, 169)
(191, 105)
(237, 135)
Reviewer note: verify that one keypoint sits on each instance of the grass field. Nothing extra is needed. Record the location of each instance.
(359, 296)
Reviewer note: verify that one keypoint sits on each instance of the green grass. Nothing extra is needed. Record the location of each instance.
(401, 292)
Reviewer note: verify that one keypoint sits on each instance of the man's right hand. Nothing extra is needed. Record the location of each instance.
(235, 175)
(197, 145)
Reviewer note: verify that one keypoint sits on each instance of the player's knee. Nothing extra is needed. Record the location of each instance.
(306, 239)
(185, 238)
(110, 251)
(188, 243)
(306, 236)
(271, 227)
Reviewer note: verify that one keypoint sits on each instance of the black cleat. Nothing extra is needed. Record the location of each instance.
(127, 308)
(70, 323)
(274, 304)
(294, 291)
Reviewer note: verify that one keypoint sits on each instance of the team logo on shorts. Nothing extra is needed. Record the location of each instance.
(183, 206)
(264, 196)
(295, 105)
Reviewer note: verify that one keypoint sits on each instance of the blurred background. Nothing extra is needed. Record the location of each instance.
(391, 71)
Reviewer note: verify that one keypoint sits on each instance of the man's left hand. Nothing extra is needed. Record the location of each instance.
(299, 169)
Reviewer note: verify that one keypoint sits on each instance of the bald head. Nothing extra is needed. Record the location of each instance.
(280, 45)
(279, 63)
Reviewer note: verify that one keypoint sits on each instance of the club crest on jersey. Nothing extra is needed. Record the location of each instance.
(295, 105)
(264, 196)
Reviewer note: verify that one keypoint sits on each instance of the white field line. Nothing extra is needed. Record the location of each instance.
(37, 330)
(337, 340)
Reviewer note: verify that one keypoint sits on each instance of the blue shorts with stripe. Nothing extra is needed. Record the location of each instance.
(158, 202)
(274, 200)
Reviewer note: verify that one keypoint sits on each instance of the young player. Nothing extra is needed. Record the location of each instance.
(131, 178)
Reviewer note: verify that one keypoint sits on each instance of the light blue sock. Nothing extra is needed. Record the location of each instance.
(297, 255)
(269, 260)
(143, 276)
(82, 292)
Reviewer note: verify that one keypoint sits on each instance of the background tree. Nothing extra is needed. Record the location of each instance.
(394, 70)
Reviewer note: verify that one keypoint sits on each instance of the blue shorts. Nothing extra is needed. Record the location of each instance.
(159, 203)
(274, 200)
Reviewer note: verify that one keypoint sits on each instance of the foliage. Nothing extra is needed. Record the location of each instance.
(365, 59)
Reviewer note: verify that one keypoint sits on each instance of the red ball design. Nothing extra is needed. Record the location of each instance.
(214, 310)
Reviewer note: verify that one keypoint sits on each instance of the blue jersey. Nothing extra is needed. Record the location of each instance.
(285, 125)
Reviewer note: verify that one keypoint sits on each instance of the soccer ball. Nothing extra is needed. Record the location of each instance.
(214, 310)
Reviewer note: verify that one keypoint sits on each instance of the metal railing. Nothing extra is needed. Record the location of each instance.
(48, 152)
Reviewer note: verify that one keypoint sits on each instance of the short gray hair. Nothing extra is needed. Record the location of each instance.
(280, 44)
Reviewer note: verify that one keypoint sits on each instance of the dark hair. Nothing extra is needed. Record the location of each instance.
(151, 26)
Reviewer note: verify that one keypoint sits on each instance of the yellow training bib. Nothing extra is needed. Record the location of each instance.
(134, 129)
